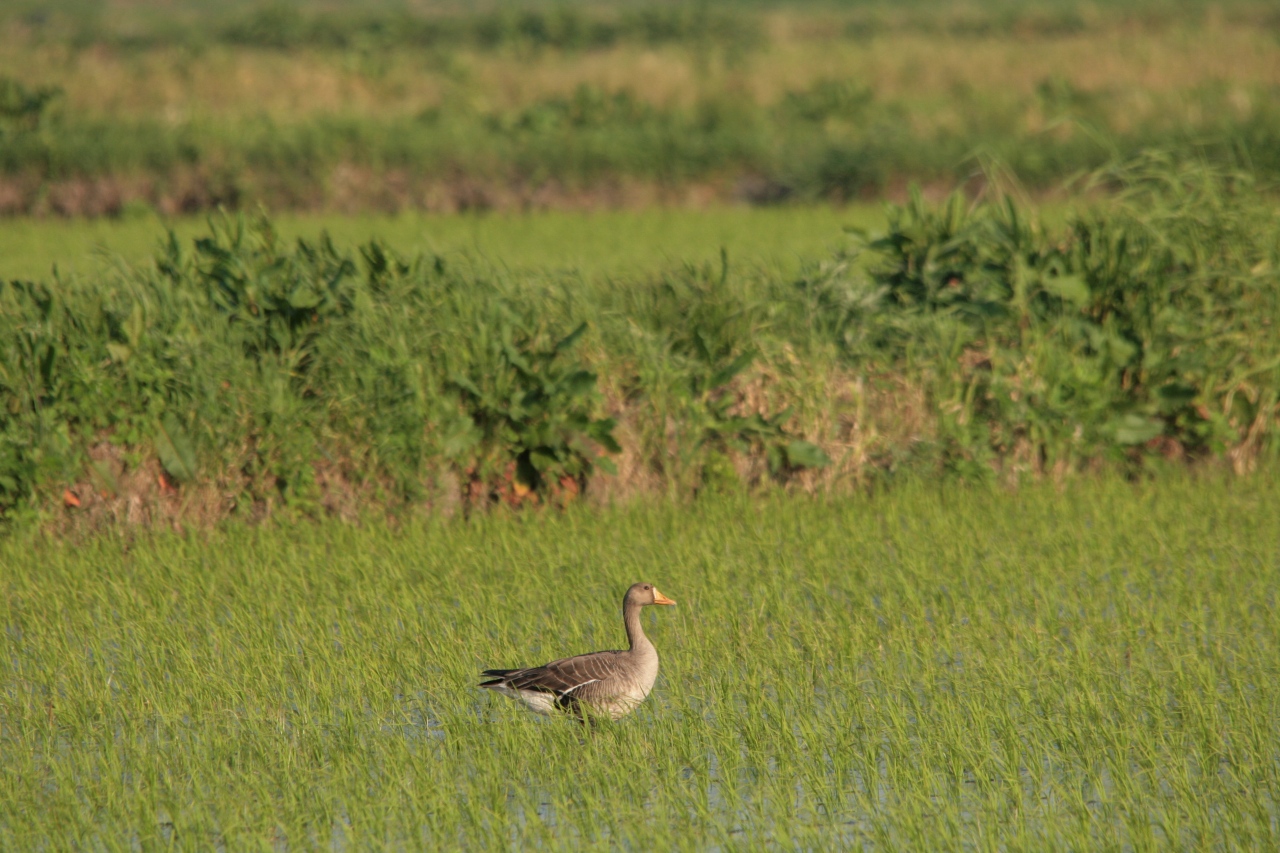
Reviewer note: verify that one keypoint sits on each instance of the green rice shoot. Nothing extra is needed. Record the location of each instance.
(1094, 667)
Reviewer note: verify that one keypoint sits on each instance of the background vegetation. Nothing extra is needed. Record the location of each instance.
(375, 107)
(243, 373)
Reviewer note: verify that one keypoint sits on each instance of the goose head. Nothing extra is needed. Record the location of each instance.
(644, 594)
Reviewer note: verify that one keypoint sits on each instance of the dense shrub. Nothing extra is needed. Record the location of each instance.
(1143, 328)
(249, 363)
(1147, 326)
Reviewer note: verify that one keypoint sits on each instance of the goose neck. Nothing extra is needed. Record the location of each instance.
(635, 633)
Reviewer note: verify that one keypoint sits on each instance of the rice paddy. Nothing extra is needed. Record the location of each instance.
(1093, 667)
(941, 489)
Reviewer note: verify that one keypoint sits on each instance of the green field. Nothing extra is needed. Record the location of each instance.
(1088, 668)
(609, 242)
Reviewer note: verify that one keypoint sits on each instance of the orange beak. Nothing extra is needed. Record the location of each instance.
(659, 598)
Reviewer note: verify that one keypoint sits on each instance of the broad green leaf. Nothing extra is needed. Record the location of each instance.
(700, 345)
(517, 359)
(775, 457)
(570, 339)
(1136, 429)
(732, 369)
(175, 450)
(804, 454)
(1068, 288)
(104, 476)
(304, 297)
(542, 459)
(459, 437)
(465, 384)
(577, 383)
(602, 432)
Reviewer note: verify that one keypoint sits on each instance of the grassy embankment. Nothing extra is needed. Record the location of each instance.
(955, 669)
(245, 374)
(595, 105)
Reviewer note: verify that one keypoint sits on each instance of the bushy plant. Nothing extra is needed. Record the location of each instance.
(21, 107)
(251, 361)
(528, 414)
(1143, 328)
(1116, 337)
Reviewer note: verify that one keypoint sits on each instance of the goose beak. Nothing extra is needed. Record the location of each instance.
(659, 598)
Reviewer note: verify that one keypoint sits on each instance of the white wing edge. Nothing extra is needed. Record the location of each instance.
(576, 686)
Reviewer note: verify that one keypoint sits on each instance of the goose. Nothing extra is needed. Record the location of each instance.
(604, 684)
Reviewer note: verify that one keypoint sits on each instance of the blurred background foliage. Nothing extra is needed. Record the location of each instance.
(393, 106)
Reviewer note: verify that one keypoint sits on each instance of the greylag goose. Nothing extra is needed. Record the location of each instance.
(606, 684)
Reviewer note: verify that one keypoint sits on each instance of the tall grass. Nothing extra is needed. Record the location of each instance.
(950, 669)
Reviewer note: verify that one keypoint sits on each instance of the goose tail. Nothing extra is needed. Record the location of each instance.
(498, 677)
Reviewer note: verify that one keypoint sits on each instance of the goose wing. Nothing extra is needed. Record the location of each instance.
(564, 679)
